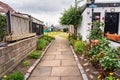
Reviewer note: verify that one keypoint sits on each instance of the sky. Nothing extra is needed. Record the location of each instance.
(48, 11)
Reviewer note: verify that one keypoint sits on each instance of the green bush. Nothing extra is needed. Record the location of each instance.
(65, 30)
(34, 55)
(79, 47)
(16, 76)
(71, 39)
(3, 24)
(103, 45)
(108, 64)
(79, 36)
(41, 44)
(26, 63)
(48, 38)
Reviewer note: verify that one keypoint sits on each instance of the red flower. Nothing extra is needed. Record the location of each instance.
(94, 42)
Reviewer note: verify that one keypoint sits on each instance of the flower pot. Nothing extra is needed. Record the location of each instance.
(117, 38)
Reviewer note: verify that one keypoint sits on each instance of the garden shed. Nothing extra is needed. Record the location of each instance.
(109, 12)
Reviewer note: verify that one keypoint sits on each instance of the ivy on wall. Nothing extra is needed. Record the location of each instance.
(3, 25)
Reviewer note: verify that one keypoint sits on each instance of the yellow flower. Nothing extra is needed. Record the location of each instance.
(4, 76)
(118, 79)
(111, 74)
(99, 77)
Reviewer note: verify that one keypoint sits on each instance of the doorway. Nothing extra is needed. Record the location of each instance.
(111, 23)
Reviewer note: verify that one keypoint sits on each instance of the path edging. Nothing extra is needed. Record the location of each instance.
(84, 76)
(27, 75)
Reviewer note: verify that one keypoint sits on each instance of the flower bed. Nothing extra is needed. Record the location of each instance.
(98, 60)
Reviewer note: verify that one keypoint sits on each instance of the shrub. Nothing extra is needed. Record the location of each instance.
(65, 30)
(79, 36)
(16, 76)
(108, 64)
(41, 44)
(48, 38)
(26, 63)
(79, 47)
(2, 26)
(71, 39)
(34, 55)
(103, 44)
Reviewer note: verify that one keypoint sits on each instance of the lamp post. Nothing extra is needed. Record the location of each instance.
(92, 6)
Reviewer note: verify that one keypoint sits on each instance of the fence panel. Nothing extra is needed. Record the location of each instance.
(19, 25)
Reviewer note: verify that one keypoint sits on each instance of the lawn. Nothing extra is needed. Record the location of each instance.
(61, 34)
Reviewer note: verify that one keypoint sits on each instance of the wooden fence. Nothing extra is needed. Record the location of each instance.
(20, 26)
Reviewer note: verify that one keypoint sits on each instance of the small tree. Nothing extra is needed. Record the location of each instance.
(72, 16)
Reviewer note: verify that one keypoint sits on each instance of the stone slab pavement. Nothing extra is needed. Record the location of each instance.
(57, 64)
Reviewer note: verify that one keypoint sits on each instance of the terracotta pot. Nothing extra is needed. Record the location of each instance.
(118, 38)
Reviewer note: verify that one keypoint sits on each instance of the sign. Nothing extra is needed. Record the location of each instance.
(92, 5)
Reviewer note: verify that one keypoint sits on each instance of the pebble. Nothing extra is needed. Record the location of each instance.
(86, 64)
(91, 76)
(85, 60)
(95, 73)
(87, 70)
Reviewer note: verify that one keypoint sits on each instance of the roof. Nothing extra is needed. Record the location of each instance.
(87, 5)
(5, 8)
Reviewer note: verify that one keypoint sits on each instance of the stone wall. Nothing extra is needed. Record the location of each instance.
(11, 55)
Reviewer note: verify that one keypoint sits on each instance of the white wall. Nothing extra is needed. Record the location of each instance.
(87, 18)
(114, 44)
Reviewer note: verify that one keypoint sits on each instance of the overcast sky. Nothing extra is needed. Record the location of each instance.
(46, 10)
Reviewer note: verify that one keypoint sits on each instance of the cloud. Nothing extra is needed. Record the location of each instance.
(47, 10)
(42, 6)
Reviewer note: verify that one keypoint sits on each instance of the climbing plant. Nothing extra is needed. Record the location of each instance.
(2, 26)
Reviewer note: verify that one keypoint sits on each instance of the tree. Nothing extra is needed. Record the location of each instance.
(72, 16)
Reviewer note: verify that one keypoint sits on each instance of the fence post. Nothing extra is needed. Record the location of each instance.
(9, 22)
(30, 24)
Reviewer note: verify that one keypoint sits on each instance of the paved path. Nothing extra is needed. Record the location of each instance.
(57, 64)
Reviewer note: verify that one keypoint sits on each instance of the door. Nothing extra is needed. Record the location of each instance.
(111, 23)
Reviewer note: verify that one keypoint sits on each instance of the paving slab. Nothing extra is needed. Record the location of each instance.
(44, 78)
(68, 63)
(64, 57)
(71, 78)
(53, 53)
(50, 63)
(42, 71)
(65, 71)
(49, 57)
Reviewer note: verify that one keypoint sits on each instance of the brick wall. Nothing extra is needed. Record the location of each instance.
(11, 55)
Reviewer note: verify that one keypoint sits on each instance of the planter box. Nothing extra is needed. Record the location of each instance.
(112, 37)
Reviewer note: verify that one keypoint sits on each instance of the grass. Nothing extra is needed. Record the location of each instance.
(61, 34)
(64, 35)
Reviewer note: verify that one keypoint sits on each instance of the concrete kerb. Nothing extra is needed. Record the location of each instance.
(30, 70)
(84, 76)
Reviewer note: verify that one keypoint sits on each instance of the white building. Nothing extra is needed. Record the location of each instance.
(108, 11)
